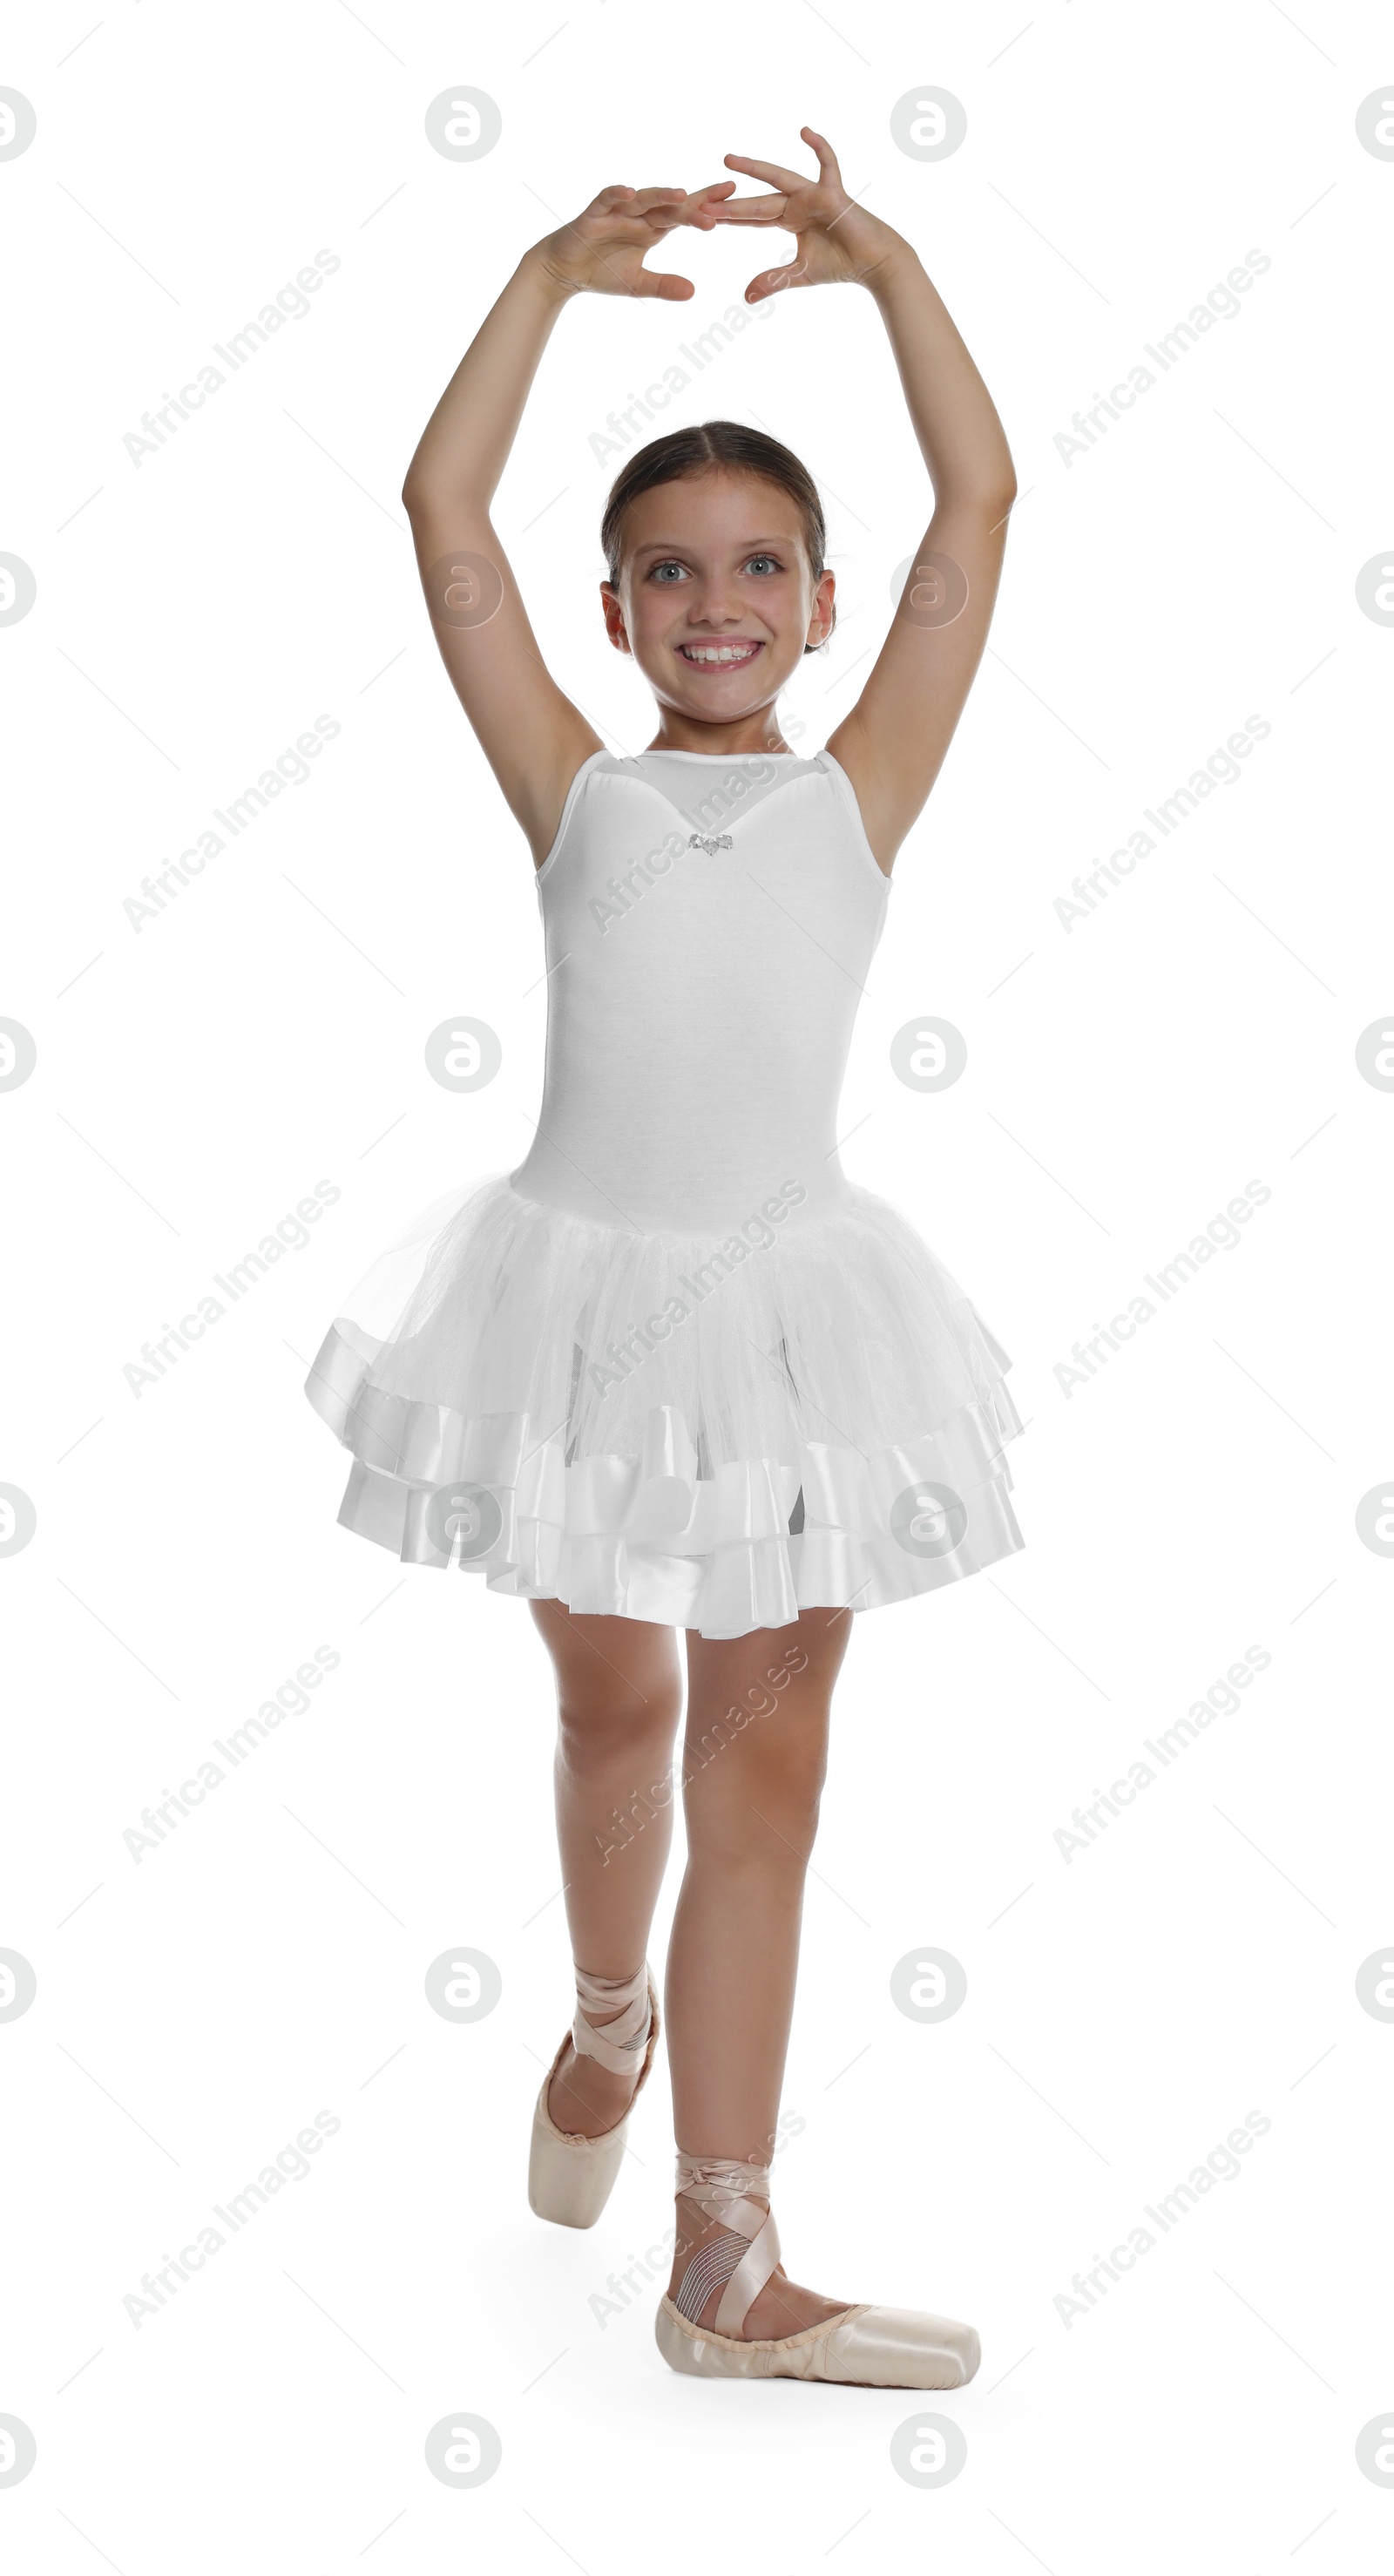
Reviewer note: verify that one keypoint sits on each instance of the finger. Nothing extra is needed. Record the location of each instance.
(770, 171)
(760, 205)
(827, 158)
(754, 210)
(774, 281)
(705, 218)
(697, 208)
(662, 283)
(653, 209)
(704, 203)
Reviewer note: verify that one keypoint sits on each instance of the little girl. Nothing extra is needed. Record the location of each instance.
(676, 1371)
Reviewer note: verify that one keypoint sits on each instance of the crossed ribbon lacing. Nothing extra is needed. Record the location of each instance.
(615, 2045)
(735, 2192)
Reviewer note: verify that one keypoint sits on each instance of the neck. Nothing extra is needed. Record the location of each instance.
(751, 735)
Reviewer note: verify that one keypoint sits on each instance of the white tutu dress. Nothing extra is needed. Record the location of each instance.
(676, 1367)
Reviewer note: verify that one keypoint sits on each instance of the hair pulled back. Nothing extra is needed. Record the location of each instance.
(710, 447)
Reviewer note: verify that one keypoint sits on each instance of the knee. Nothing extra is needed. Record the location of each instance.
(599, 1721)
(756, 1792)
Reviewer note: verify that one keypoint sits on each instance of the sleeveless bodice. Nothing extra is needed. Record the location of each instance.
(709, 924)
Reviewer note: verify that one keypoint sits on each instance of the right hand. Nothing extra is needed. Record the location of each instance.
(602, 251)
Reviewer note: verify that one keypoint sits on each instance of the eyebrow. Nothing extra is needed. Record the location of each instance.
(675, 545)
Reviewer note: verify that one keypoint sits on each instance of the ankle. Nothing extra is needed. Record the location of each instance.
(586, 2097)
(603, 2061)
(726, 2244)
(614, 2018)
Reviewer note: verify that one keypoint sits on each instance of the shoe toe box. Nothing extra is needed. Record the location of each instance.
(902, 2348)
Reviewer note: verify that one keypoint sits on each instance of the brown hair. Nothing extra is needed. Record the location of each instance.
(707, 448)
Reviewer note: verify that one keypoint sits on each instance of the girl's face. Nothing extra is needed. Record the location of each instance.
(716, 598)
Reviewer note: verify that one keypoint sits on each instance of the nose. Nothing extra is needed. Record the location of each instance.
(716, 603)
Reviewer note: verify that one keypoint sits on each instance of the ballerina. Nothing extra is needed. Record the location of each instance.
(676, 1371)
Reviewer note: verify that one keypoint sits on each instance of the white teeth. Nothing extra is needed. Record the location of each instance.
(717, 652)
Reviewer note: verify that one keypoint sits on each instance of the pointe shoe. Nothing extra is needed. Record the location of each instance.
(570, 2176)
(863, 2347)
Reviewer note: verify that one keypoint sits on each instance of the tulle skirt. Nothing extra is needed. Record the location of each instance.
(711, 1432)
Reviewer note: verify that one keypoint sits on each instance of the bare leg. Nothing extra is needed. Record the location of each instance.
(753, 1767)
(619, 1691)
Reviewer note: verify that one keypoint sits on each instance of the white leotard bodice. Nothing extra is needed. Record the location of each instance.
(709, 925)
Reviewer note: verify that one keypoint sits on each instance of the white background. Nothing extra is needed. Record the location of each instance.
(1126, 2008)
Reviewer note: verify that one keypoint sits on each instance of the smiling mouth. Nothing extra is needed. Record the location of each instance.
(720, 657)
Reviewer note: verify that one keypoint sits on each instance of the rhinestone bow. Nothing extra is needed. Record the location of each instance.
(700, 841)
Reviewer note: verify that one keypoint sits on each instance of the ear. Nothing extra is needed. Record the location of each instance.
(614, 617)
(820, 623)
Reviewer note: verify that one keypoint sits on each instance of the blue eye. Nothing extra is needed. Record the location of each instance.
(671, 565)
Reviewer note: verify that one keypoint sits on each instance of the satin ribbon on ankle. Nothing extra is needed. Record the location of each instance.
(622, 2039)
(724, 2187)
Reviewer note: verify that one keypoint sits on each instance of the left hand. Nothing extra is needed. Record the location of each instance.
(838, 241)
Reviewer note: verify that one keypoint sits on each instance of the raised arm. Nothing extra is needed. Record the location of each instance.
(893, 741)
(533, 737)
